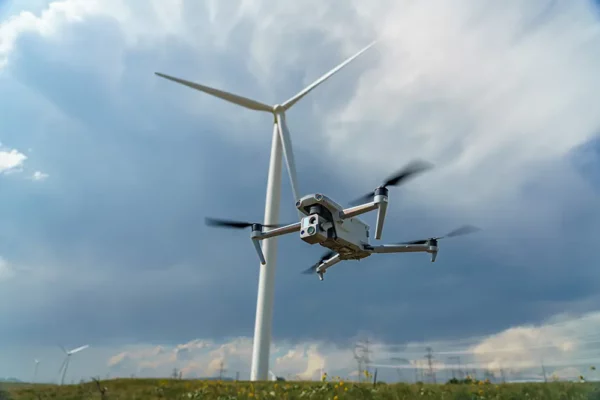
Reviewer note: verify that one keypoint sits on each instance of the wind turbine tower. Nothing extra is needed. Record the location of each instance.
(65, 364)
(35, 370)
(281, 143)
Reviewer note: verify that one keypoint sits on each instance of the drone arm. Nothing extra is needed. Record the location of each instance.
(379, 203)
(404, 248)
(257, 235)
(398, 248)
(284, 230)
(358, 210)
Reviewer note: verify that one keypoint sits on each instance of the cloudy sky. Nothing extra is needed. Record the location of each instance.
(108, 171)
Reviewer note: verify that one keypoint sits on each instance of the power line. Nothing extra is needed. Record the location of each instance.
(501, 350)
(454, 361)
(562, 324)
(476, 340)
(506, 364)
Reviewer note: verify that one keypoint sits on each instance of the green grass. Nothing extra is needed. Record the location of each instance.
(152, 389)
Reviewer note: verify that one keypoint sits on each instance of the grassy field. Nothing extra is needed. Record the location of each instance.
(151, 389)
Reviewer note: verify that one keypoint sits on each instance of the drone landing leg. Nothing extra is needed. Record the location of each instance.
(327, 264)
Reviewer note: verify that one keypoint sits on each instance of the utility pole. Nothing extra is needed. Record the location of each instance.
(429, 356)
(502, 375)
(452, 361)
(487, 374)
(421, 371)
(361, 355)
(358, 359)
(399, 370)
(237, 376)
(416, 368)
(221, 370)
(366, 353)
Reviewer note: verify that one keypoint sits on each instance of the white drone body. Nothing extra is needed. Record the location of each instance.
(327, 223)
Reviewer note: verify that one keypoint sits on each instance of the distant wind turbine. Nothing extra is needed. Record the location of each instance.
(65, 363)
(273, 377)
(35, 370)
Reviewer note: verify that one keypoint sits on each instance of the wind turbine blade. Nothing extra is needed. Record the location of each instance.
(62, 380)
(230, 97)
(288, 104)
(77, 350)
(286, 142)
(62, 366)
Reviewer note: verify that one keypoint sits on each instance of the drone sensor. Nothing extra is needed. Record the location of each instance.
(311, 230)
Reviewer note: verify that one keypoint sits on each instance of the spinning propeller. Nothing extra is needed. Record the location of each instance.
(226, 223)
(463, 230)
(400, 177)
(326, 256)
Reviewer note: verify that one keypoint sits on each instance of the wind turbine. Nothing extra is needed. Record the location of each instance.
(281, 140)
(65, 363)
(35, 370)
(273, 376)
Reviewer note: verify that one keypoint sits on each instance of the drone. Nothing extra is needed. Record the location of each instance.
(338, 229)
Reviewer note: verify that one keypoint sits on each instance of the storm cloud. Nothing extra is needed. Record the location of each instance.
(111, 248)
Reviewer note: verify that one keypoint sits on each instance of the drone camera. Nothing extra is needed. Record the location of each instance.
(311, 230)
